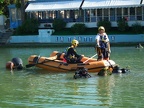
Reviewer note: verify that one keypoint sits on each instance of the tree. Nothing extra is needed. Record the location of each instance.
(21, 5)
(4, 8)
(105, 23)
(123, 24)
(58, 24)
(23, 10)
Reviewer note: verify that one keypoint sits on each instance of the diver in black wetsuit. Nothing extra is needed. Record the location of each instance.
(15, 63)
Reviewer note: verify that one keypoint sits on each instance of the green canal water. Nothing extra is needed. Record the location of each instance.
(37, 88)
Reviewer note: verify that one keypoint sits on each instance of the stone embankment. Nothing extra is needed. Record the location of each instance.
(5, 37)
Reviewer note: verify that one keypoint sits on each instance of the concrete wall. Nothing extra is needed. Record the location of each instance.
(46, 37)
(68, 39)
(2, 20)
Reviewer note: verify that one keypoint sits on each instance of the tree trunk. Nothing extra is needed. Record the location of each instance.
(23, 10)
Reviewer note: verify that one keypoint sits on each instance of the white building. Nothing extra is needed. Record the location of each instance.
(88, 12)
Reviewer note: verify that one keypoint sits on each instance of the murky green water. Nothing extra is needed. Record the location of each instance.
(35, 88)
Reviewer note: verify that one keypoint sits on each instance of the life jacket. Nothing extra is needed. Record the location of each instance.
(66, 50)
(103, 38)
(70, 58)
(103, 42)
(102, 51)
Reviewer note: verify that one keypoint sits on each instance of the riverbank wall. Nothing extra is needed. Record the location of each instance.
(45, 37)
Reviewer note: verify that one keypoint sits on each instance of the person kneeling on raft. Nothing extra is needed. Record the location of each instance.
(71, 55)
(15, 63)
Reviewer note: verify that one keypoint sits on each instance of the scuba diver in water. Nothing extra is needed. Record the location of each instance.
(71, 55)
(117, 69)
(15, 63)
(109, 71)
(139, 46)
(102, 44)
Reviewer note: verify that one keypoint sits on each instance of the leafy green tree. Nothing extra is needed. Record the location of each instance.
(30, 26)
(105, 23)
(19, 4)
(1, 8)
(137, 28)
(4, 8)
(78, 28)
(58, 24)
(122, 24)
(22, 5)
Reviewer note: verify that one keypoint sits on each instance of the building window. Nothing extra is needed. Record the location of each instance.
(106, 14)
(54, 14)
(44, 14)
(93, 15)
(47, 15)
(72, 18)
(67, 12)
(132, 14)
(34, 15)
(139, 13)
(61, 14)
(119, 13)
(40, 15)
(93, 12)
(87, 15)
(125, 12)
(66, 16)
(76, 14)
(99, 14)
(112, 14)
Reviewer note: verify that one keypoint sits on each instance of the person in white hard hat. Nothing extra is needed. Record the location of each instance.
(102, 44)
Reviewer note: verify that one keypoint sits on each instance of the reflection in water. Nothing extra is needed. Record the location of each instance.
(104, 88)
(40, 88)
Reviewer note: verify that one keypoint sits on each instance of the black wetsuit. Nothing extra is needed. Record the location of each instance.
(18, 64)
(72, 57)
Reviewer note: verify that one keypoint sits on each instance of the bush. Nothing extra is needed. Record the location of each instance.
(137, 28)
(58, 24)
(78, 28)
(106, 24)
(122, 24)
(30, 26)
